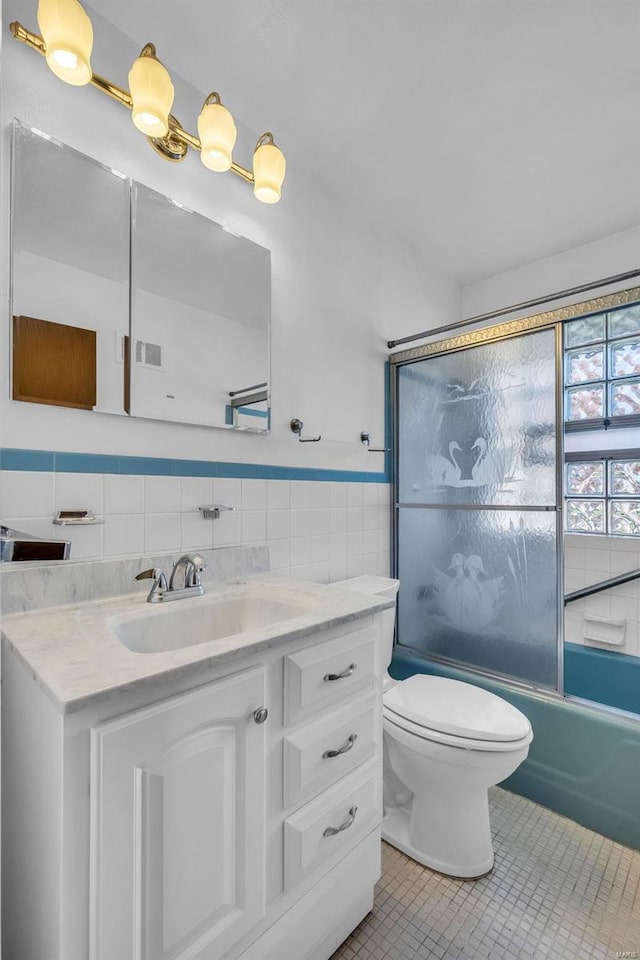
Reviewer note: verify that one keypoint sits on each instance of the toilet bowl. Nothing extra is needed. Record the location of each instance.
(445, 743)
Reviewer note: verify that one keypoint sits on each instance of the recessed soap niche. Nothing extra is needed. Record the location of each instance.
(142, 307)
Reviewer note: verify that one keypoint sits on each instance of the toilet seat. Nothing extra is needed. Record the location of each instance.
(449, 740)
(455, 713)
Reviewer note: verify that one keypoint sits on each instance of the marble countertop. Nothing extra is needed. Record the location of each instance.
(74, 655)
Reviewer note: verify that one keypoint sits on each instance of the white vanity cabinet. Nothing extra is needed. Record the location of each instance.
(178, 832)
(163, 822)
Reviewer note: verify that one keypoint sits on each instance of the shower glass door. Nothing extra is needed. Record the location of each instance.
(477, 503)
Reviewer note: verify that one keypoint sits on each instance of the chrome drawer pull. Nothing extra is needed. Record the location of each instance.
(331, 831)
(329, 754)
(351, 669)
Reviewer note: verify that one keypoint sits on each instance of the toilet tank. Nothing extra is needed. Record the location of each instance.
(378, 587)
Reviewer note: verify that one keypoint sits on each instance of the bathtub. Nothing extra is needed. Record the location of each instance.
(584, 762)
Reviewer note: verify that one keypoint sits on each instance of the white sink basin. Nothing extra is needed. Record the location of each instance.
(184, 623)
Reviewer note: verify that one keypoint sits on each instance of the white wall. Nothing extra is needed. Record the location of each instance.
(605, 257)
(341, 286)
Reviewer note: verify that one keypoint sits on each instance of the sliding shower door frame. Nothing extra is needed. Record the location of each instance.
(551, 319)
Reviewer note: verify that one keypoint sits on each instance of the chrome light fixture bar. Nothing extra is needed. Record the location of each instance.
(67, 43)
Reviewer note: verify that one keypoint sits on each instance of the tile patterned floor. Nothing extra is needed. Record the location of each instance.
(557, 892)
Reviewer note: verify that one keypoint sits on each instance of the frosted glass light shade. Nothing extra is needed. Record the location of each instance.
(217, 133)
(152, 94)
(269, 168)
(68, 36)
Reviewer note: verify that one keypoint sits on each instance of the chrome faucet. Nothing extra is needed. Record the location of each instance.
(192, 564)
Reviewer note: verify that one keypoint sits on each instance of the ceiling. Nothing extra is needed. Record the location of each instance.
(485, 133)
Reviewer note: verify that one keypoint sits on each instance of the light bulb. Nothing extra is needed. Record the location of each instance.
(68, 38)
(217, 133)
(269, 168)
(152, 94)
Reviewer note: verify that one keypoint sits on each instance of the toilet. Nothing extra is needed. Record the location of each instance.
(445, 743)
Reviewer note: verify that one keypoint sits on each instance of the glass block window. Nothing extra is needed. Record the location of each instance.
(603, 497)
(602, 369)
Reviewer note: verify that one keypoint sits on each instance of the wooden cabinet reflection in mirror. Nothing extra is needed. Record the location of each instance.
(54, 363)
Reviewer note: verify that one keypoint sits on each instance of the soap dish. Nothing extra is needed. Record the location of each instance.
(69, 518)
(604, 630)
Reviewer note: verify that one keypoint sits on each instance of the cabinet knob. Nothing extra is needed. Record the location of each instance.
(260, 715)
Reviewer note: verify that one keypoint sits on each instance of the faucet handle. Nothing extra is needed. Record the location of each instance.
(159, 583)
(196, 566)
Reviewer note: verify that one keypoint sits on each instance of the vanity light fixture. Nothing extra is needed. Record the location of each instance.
(66, 43)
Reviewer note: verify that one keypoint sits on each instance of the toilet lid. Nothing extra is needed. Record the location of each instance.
(457, 708)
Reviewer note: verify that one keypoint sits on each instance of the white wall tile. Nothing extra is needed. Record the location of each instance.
(302, 572)
(355, 543)
(123, 494)
(79, 491)
(161, 532)
(26, 494)
(622, 561)
(338, 494)
(124, 535)
(254, 526)
(277, 524)
(320, 494)
(355, 518)
(300, 494)
(370, 518)
(320, 571)
(384, 494)
(279, 554)
(384, 565)
(227, 491)
(338, 546)
(195, 531)
(162, 495)
(370, 564)
(278, 494)
(300, 523)
(227, 528)
(195, 492)
(254, 494)
(86, 542)
(370, 494)
(369, 541)
(355, 566)
(338, 522)
(320, 548)
(320, 521)
(355, 494)
(37, 526)
(337, 569)
(299, 550)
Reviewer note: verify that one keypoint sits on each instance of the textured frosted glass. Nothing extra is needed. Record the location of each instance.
(625, 358)
(478, 426)
(625, 518)
(586, 330)
(624, 398)
(585, 479)
(585, 516)
(479, 587)
(585, 403)
(584, 365)
(624, 478)
(624, 322)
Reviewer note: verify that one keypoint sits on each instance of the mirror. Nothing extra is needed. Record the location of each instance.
(200, 310)
(175, 328)
(70, 276)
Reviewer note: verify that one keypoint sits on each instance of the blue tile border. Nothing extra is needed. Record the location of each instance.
(63, 462)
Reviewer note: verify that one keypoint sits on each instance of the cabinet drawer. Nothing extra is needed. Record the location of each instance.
(327, 749)
(332, 824)
(328, 672)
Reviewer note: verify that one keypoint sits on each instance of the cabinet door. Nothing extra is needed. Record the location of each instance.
(177, 833)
